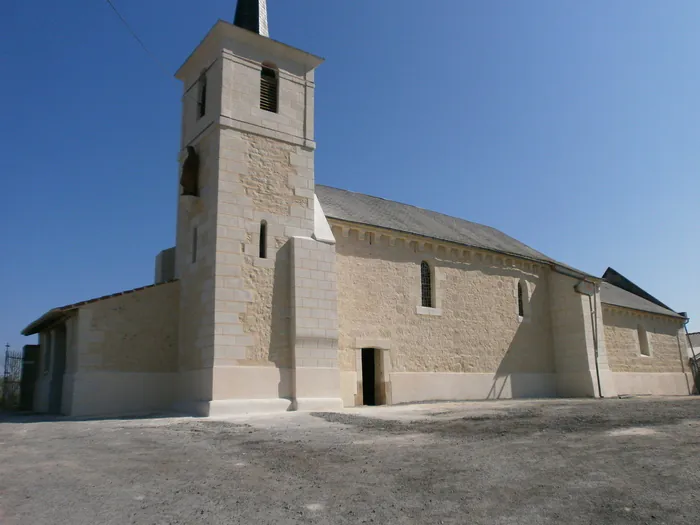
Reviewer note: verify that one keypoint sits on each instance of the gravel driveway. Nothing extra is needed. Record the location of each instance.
(525, 462)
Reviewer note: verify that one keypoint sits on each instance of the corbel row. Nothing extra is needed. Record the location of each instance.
(435, 247)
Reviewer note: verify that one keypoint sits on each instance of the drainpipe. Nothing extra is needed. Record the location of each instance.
(589, 288)
(594, 313)
(696, 376)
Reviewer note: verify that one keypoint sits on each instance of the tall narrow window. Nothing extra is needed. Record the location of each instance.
(194, 244)
(269, 89)
(644, 347)
(521, 300)
(263, 240)
(426, 285)
(202, 97)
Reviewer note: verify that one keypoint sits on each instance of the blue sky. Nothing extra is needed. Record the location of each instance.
(572, 126)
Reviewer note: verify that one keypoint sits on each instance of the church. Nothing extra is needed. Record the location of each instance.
(282, 294)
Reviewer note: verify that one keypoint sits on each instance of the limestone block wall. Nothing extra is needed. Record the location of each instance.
(577, 329)
(192, 125)
(572, 334)
(235, 309)
(315, 325)
(475, 329)
(195, 259)
(665, 371)
(240, 103)
(125, 353)
(261, 180)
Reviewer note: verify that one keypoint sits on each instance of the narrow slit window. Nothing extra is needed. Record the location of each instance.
(269, 89)
(202, 97)
(426, 285)
(194, 245)
(644, 347)
(263, 240)
(521, 300)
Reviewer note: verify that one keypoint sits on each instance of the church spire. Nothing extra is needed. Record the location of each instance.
(252, 15)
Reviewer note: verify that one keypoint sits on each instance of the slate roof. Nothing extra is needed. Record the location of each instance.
(611, 294)
(616, 278)
(374, 211)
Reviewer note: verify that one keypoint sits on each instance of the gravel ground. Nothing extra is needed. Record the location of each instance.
(515, 462)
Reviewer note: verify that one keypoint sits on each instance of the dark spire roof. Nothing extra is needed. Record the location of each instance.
(614, 277)
(252, 15)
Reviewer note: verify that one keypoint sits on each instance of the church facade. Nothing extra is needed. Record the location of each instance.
(283, 294)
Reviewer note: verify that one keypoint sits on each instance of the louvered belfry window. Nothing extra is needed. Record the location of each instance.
(426, 287)
(269, 89)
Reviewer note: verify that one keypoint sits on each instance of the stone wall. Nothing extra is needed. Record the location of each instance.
(666, 339)
(315, 325)
(266, 175)
(125, 354)
(665, 371)
(196, 274)
(236, 304)
(577, 331)
(134, 332)
(260, 180)
(475, 327)
(196, 270)
(240, 102)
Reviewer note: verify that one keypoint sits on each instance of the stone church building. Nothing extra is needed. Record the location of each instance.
(283, 294)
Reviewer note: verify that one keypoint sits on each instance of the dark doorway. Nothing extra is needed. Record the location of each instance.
(30, 371)
(369, 377)
(59, 368)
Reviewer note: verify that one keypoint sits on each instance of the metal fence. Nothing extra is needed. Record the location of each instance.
(11, 380)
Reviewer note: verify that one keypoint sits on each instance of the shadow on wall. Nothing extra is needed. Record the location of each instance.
(280, 350)
(522, 362)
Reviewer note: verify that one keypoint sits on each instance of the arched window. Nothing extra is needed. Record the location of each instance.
(521, 300)
(522, 293)
(426, 285)
(263, 240)
(269, 88)
(644, 347)
(202, 96)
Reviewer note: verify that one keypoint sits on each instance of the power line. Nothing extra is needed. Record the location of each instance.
(154, 58)
(136, 37)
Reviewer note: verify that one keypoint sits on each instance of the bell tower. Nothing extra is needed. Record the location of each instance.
(247, 215)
